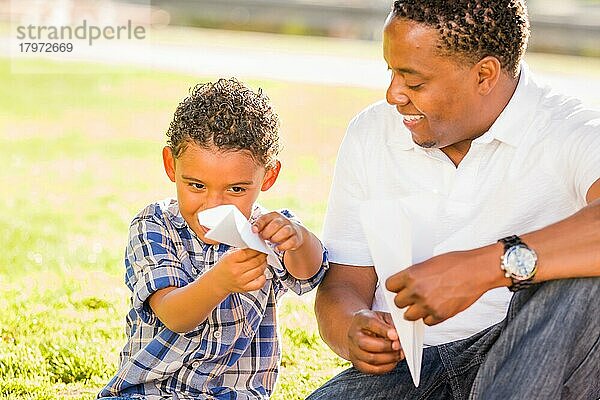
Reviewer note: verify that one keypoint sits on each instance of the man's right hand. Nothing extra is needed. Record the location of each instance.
(373, 344)
(240, 270)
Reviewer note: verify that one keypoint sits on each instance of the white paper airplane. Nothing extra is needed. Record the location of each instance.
(389, 235)
(228, 225)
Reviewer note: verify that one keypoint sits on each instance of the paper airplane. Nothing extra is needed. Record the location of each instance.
(228, 225)
(388, 231)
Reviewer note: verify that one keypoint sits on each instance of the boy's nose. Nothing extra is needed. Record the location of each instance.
(214, 200)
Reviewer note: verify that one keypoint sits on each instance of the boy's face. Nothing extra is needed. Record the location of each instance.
(206, 178)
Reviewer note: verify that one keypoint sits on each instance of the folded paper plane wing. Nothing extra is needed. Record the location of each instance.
(388, 231)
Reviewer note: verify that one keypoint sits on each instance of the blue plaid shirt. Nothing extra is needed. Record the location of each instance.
(234, 354)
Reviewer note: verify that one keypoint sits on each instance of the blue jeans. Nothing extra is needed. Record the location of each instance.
(547, 347)
(116, 398)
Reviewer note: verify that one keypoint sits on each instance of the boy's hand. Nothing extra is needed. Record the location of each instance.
(276, 228)
(241, 270)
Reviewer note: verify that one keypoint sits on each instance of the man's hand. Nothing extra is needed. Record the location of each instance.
(373, 342)
(442, 286)
(276, 228)
(241, 270)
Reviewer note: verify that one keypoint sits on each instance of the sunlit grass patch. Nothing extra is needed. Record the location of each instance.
(58, 330)
(307, 362)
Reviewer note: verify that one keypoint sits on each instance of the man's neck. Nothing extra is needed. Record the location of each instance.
(490, 111)
(457, 151)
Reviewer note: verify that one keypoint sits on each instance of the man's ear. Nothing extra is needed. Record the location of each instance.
(271, 176)
(169, 162)
(488, 72)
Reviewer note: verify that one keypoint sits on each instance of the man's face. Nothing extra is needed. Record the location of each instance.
(206, 178)
(436, 95)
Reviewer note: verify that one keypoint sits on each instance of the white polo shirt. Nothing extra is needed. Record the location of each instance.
(532, 168)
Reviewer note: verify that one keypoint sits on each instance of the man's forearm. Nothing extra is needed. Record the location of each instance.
(569, 248)
(344, 291)
(566, 249)
(334, 318)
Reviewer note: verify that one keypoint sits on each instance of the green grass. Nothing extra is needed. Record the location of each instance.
(80, 156)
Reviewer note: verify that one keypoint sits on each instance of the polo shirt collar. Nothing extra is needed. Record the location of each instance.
(511, 124)
(403, 141)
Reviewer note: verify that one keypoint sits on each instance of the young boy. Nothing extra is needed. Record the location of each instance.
(202, 323)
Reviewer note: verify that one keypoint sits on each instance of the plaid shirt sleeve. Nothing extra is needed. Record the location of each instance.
(298, 286)
(151, 260)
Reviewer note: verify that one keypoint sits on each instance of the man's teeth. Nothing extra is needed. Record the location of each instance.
(412, 118)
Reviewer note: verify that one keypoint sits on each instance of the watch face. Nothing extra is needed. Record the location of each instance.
(520, 262)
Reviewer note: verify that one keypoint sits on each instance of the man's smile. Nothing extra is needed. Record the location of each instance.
(413, 118)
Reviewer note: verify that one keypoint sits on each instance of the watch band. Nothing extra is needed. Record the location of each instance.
(511, 241)
(517, 284)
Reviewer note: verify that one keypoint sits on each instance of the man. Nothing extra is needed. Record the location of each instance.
(479, 153)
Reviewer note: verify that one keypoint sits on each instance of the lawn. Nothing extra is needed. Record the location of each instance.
(80, 156)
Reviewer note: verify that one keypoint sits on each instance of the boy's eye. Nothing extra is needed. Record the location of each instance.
(198, 186)
(237, 189)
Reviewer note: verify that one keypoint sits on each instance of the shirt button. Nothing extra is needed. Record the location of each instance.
(195, 364)
(217, 335)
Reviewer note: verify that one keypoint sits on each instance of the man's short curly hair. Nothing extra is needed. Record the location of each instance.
(474, 29)
(229, 116)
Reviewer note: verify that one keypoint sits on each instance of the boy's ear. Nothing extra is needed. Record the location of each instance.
(169, 162)
(271, 176)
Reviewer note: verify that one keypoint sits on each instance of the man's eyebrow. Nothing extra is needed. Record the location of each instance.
(407, 71)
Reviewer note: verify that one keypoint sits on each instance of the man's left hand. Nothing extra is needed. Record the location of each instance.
(442, 286)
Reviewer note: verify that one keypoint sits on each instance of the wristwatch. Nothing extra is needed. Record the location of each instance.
(519, 262)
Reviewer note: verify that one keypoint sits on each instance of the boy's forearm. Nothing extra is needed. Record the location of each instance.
(304, 262)
(182, 309)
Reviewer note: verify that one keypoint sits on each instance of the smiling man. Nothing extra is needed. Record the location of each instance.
(504, 177)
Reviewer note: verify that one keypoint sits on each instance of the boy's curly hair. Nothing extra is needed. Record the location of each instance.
(474, 29)
(228, 115)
